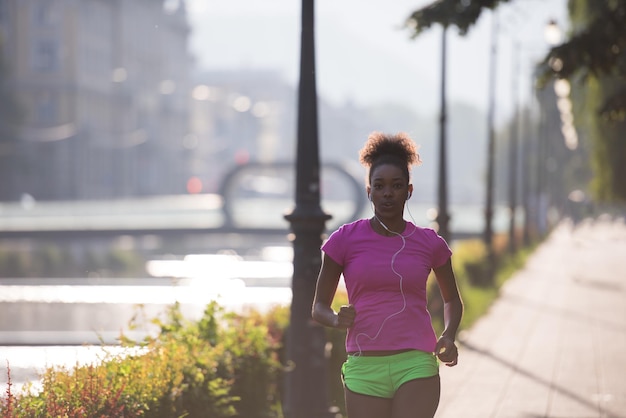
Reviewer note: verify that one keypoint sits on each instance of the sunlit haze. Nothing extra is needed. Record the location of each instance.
(363, 54)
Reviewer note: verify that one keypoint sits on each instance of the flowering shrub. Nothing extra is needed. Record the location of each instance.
(223, 365)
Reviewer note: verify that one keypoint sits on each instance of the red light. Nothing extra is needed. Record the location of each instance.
(194, 185)
(242, 156)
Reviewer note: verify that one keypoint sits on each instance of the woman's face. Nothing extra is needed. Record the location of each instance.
(388, 190)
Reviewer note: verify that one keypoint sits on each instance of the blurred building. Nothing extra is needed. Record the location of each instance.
(102, 91)
(238, 117)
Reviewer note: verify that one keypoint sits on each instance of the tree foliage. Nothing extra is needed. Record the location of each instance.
(460, 13)
(597, 47)
(593, 59)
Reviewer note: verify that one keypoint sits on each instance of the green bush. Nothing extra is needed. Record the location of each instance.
(223, 365)
(51, 260)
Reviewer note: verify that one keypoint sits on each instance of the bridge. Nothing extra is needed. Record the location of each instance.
(251, 201)
(193, 214)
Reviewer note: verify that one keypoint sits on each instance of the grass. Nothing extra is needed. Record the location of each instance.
(478, 288)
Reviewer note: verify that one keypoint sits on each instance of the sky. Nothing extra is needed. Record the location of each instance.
(364, 56)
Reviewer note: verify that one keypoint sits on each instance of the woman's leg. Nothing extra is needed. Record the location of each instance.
(417, 398)
(365, 406)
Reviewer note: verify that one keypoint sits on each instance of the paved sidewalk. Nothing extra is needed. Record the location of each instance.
(554, 344)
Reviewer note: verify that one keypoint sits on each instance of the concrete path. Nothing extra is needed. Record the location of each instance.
(554, 343)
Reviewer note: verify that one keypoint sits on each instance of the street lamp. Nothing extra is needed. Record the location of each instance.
(443, 217)
(488, 232)
(513, 153)
(553, 36)
(305, 391)
(552, 33)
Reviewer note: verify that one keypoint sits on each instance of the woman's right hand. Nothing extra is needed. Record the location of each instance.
(345, 317)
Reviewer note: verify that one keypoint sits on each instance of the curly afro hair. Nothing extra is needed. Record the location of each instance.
(398, 150)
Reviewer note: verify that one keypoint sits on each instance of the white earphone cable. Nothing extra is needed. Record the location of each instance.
(401, 284)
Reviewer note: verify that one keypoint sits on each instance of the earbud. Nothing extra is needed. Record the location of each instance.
(409, 195)
(369, 197)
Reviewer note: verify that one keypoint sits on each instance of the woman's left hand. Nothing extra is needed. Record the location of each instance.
(447, 352)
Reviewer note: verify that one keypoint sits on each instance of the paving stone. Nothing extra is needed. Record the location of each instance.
(553, 345)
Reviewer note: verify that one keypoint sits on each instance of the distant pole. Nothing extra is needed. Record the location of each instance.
(306, 385)
(513, 153)
(542, 167)
(526, 175)
(488, 233)
(443, 218)
(527, 144)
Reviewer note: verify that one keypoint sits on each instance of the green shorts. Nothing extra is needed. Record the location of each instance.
(382, 375)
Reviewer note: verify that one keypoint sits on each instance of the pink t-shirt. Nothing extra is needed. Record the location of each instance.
(385, 320)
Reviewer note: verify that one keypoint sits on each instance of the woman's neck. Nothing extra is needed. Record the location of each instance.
(388, 227)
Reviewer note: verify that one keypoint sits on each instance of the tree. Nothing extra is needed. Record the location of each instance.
(593, 59)
(460, 13)
(602, 88)
(598, 47)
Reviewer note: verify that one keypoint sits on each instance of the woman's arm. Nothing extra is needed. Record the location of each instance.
(325, 290)
(452, 313)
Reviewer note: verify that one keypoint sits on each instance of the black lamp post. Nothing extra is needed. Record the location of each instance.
(306, 385)
(513, 154)
(488, 232)
(443, 218)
